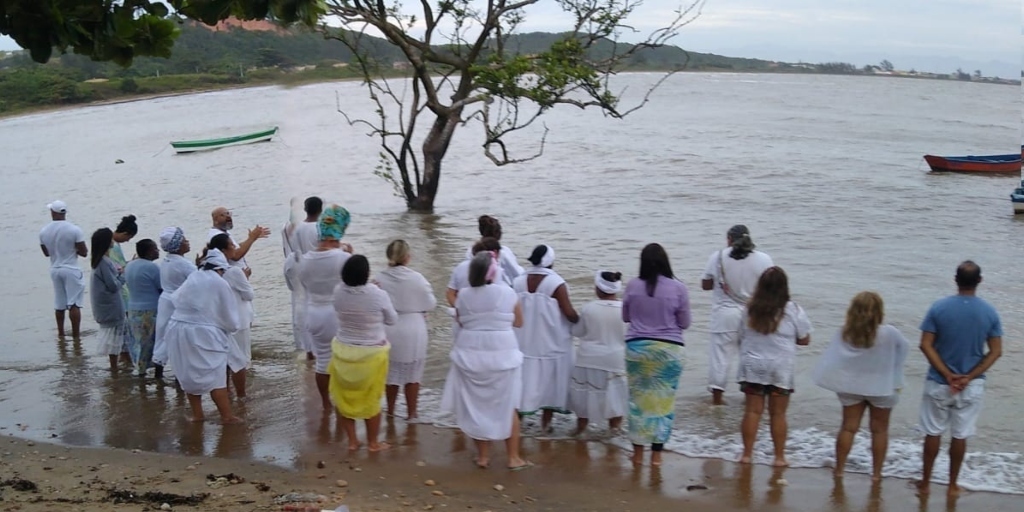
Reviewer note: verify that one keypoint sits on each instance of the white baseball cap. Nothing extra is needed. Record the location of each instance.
(58, 206)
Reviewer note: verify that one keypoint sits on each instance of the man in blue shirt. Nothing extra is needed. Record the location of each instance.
(954, 335)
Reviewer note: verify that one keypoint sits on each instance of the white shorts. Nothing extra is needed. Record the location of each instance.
(68, 287)
(941, 410)
(880, 402)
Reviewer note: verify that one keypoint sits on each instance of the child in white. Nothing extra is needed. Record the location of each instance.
(598, 388)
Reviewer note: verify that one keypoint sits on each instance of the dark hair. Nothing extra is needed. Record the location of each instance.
(611, 277)
(968, 275)
(144, 246)
(739, 239)
(313, 205)
(220, 242)
(478, 268)
(208, 266)
(487, 243)
(654, 264)
(538, 254)
(102, 241)
(356, 271)
(489, 227)
(768, 303)
(127, 225)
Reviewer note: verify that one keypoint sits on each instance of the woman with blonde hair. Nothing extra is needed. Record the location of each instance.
(412, 296)
(773, 327)
(864, 366)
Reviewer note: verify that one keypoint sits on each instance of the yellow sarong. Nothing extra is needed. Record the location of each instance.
(358, 375)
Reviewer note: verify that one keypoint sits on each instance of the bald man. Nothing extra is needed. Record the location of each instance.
(222, 223)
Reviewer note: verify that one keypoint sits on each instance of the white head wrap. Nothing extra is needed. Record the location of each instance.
(216, 259)
(609, 287)
(549, 257)
(171, 238)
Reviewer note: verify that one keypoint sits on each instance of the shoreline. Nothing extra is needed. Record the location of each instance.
(46, 109)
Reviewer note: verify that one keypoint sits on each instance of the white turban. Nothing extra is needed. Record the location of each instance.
(549, 257)
(216, 259)
(609, 287)
(171, 238)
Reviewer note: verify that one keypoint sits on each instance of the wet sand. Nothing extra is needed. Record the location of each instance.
(568, 475)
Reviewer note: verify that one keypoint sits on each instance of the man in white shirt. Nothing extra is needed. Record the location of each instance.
(64, 242)
(222, 223)
(298, 239)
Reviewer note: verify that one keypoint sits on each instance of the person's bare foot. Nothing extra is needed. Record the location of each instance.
(876, 478)
(954, 491)
(745, 459)
(655, 459)
(519, 465)
(378, 447)
(482, 462)
(922, 487)
(354, 447)
(310, 356)
(838, 473)
(638, 459)
(717, 397)
(231, 420)
(195, 419)
(780, 463)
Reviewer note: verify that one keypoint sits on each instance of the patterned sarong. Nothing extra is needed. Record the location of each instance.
(357, 375)
(653, 369)
(142, 338)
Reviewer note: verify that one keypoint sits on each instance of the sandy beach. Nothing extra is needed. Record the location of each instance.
(429, 469)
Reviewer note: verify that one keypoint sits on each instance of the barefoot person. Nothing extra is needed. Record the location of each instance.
(240, 355)
(174, 270)
(863, 365)
(359, 359)
(773, 327)
(224, 223)
(64, 242)
(490, 227)
(198, 336)
(298, 239)
(143, 281)
(657, 308)
(484, 383)
(732, 273)
(598, 390)
(954, 335)
(413, 297)
(105, 296)
(545, 337)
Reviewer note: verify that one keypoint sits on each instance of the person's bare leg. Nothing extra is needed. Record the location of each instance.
(223, 403)
(349, 425)
(581, 426)
(638, 455)
(545, 420)
(238, 379)
(515, 459)
(372, 432)
(615, 424)
(753, 408)
(75, 315)
(113, 363)
(483, 454)
(717, 397)
(412, 400)
(957, 450)
(777, 405)
(391, 393)
(196, 403)
(879, 440)
(59, 316)
(931, 451)
(323, 382)
(852, 415)
(655, 457)
(310, 356)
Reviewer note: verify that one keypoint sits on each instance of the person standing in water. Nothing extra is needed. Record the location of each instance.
(64, 242)
(105, 295)
(142, 277)
(174, 270)
(298, 239)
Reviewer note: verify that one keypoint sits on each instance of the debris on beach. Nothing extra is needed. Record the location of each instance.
(118, 161)
(697, 487)
(20, 484)
(261, 487)
(117, 497)
(295, 497)
(218, 481)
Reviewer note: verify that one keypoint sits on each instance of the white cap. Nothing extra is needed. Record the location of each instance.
(58, 206)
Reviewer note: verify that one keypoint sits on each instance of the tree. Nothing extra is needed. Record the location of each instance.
(465, 70)
(886, 65)
(977, 74)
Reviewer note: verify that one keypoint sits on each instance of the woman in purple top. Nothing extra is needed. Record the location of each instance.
(657, 308)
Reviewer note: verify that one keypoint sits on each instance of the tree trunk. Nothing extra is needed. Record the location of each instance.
(435, 146)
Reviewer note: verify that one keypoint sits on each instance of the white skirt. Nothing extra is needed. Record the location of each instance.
(199, 356)
(400, 374)
(240, 351)
(111, 340)
(546, 382)
(322, 326)
(598, 394)
(484, 384)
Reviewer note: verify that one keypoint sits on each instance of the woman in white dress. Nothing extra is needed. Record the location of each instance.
(863, 365)
(174, 270)
(599, 390)
(773, 327)
(198, 336)
(484, 383)
(412, 297)
(238, 277)
(319, 274)
(359, 358)
(545, 337)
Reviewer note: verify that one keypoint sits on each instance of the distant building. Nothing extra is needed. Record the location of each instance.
(400, 65)
(251, 25)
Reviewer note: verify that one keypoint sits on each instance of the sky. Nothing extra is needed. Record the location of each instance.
(927, 35)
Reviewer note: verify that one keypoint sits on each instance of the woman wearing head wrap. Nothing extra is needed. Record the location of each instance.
(319, 273)
(598, 390)
(412, 297)
(174, 270)
(545, 337)
(198, 336)
(484, 384)
(732, 273)
(240, 357)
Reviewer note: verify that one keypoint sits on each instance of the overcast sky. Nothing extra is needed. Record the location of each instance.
(933, 35)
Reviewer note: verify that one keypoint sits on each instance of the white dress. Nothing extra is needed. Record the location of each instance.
(241, 358)
(868, 372)
(198, 336)
(174, 270)
(412, 297)
(598, 390)
(460, 280)
(320, 274)
(298, 239)
(546, 342)
(770, 359)
(484, 384)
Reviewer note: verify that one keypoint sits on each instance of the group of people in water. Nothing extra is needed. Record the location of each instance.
(513, 351)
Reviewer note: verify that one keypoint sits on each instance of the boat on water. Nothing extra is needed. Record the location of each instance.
(1017, 198)
(987, 164)
(190, 146)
